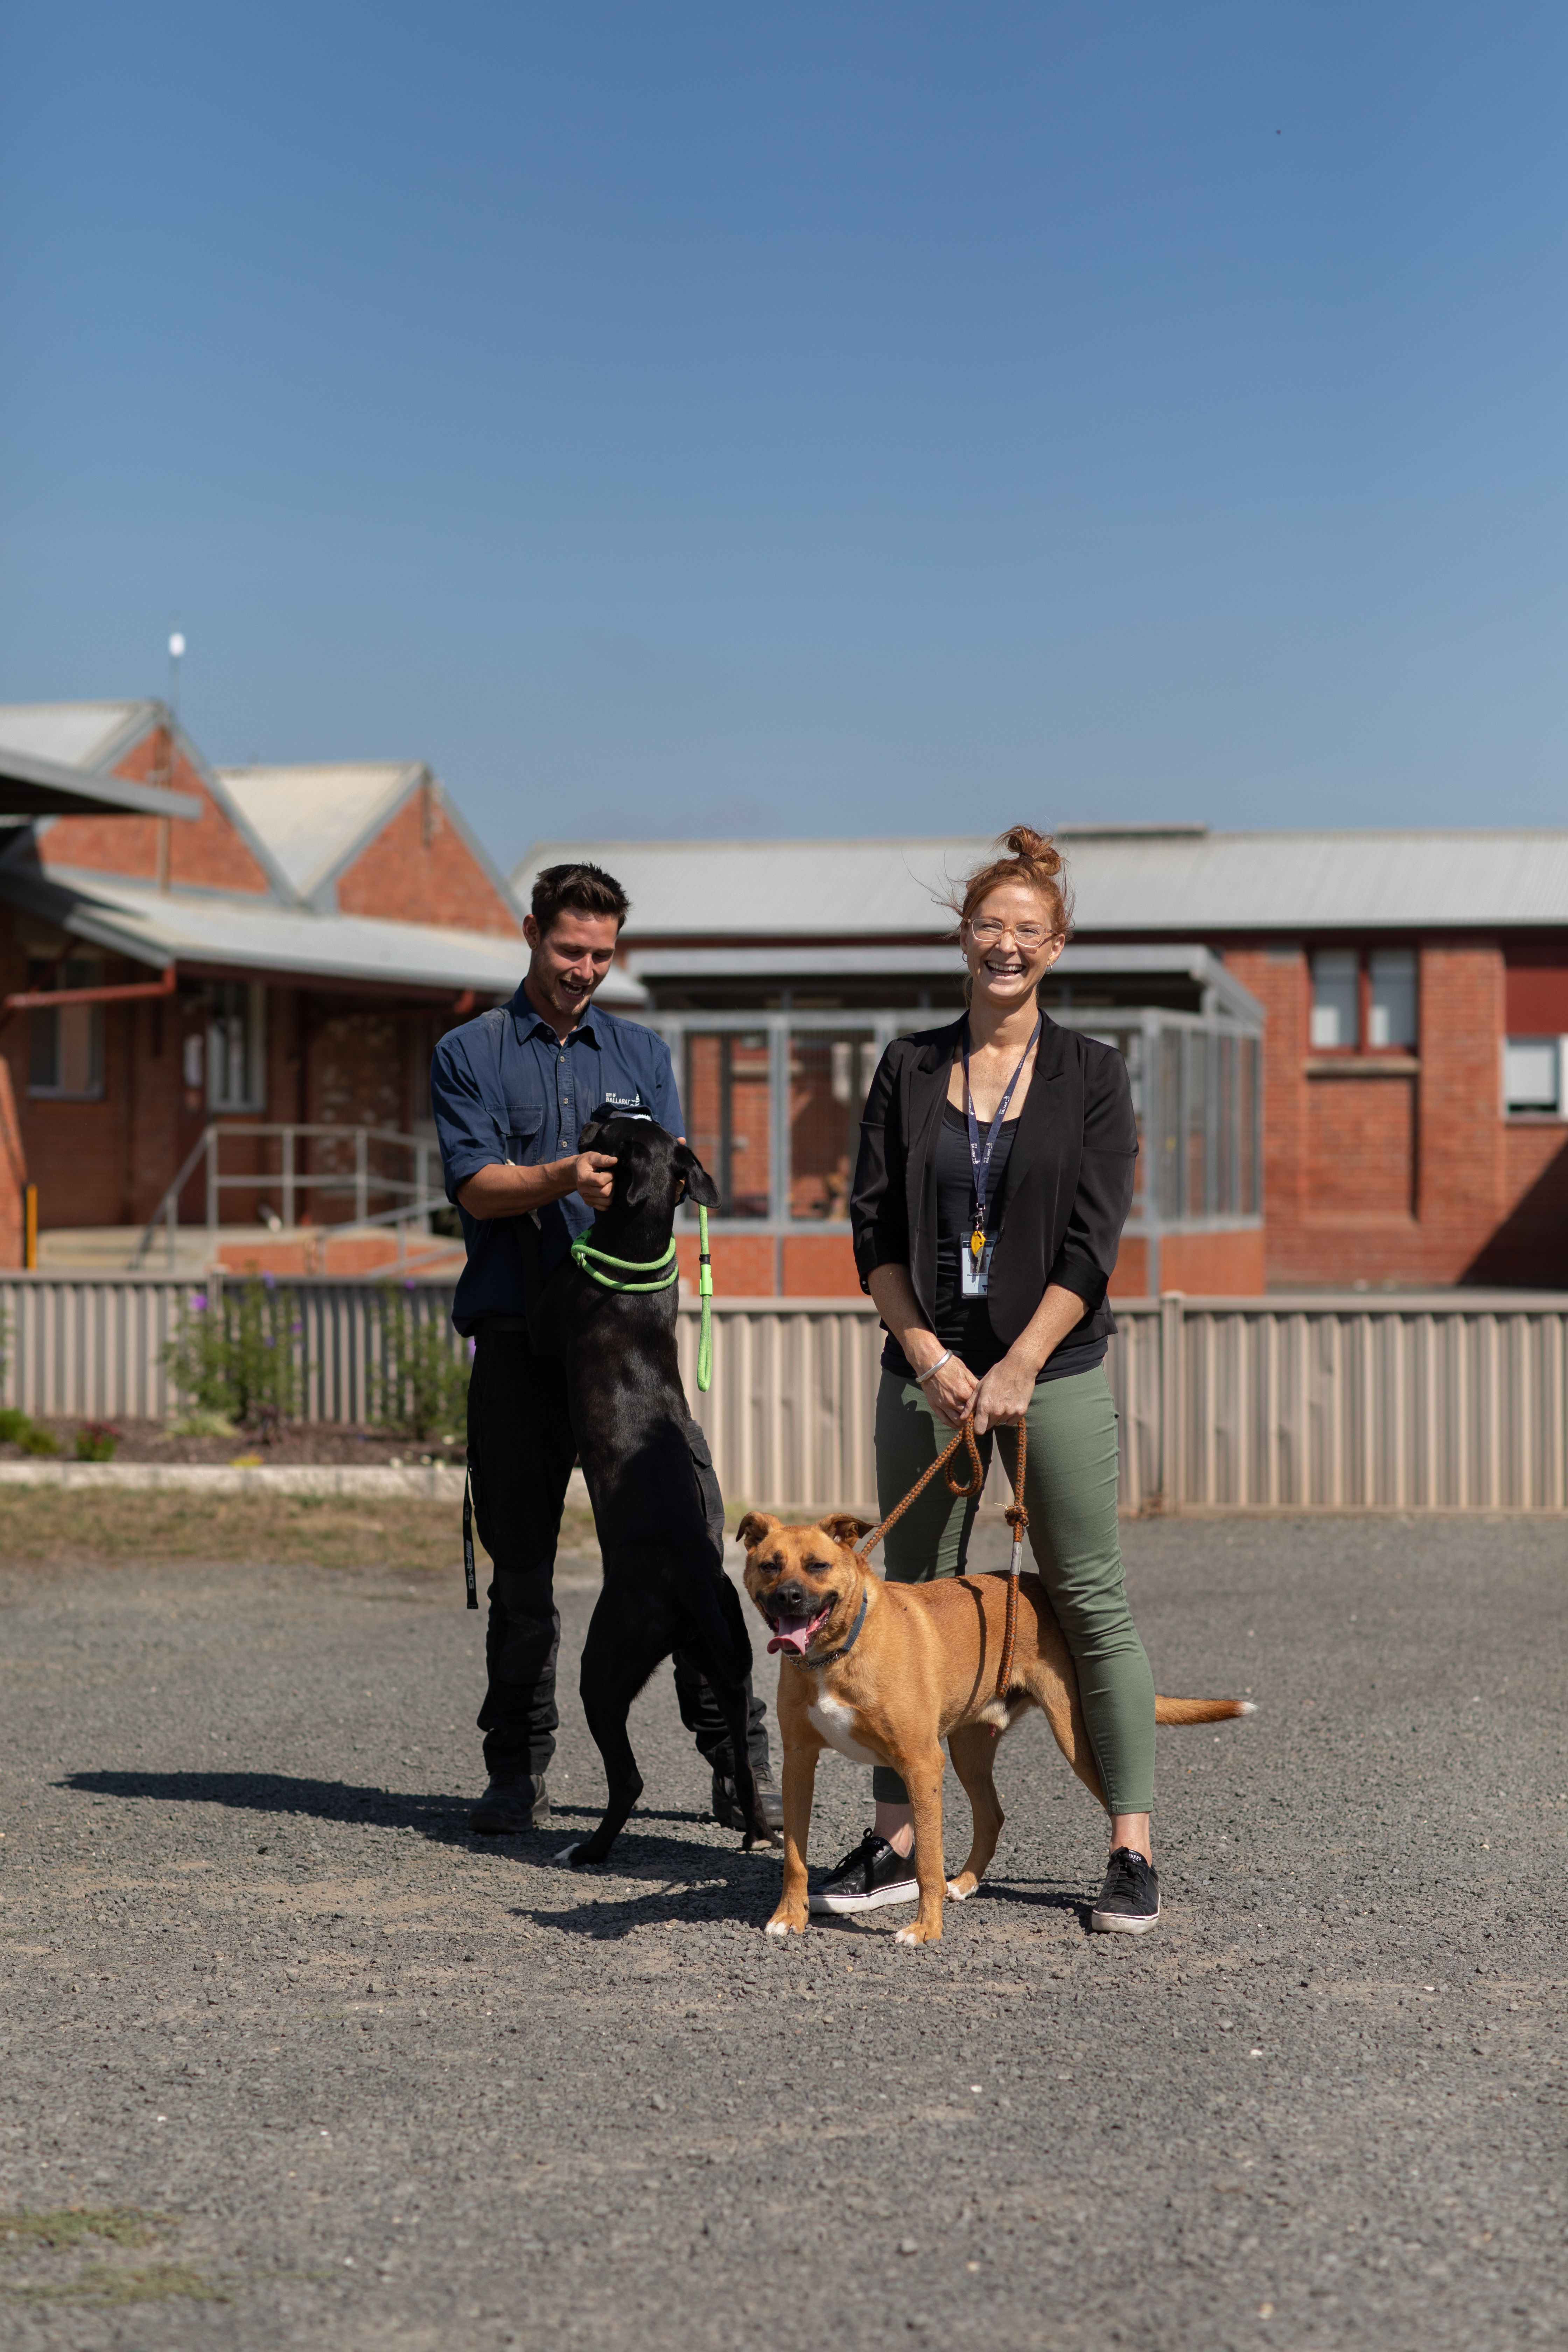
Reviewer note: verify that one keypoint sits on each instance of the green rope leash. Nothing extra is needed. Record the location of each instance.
(663, 1269)
(705, 1292)
(663, 1272)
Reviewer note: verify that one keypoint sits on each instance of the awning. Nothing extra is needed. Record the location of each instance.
(33, 787)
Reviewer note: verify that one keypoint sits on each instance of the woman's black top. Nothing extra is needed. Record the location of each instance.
(964, 1324)
(1057, 1204)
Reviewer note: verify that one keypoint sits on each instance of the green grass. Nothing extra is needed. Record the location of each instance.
(64, 1527)
(101, 2286)
(98, 2285)
(117, 2223)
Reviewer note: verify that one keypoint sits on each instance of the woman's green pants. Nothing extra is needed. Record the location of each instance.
(1069, 1491)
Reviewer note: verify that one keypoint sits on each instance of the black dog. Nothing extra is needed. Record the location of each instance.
(646, 1462)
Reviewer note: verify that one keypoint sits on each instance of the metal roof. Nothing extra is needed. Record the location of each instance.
(1147, 879)
(205, 928)
(311, 817)
(939, 960)
(76, 734)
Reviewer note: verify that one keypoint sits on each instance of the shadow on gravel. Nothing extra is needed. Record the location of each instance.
(434, 1816)
(443, 1817)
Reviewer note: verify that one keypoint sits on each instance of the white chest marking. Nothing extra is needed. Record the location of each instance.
(837, 1724)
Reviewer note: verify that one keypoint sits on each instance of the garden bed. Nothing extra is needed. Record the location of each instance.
(299, 1444)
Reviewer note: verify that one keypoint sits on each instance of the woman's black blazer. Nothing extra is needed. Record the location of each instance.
(1067, 1189)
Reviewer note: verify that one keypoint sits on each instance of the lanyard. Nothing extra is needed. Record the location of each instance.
(981, 1161)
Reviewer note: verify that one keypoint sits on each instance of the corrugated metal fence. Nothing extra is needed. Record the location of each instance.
(95, 1345)
(1451, 1401)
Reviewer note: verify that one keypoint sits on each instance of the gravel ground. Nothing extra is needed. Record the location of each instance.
(305, 2045)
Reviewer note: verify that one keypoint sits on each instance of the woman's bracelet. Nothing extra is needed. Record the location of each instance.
(931, 1369)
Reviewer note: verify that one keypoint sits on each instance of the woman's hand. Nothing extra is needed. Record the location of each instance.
(1002, 1399)
(952, 1390)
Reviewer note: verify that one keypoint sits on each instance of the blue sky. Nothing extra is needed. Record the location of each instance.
(895, 418)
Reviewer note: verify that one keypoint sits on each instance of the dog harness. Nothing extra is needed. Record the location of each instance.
(619, 1274)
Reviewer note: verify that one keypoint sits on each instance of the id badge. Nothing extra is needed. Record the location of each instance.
(977, 1278)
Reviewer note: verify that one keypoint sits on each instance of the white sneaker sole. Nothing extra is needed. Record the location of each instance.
(903, 1890)
(1120, 1923)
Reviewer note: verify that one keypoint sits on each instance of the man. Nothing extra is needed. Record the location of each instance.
(511, 1093)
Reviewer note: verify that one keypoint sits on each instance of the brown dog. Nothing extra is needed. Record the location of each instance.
(885, 1673)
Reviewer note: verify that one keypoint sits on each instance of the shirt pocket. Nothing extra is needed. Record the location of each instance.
(522, 1126)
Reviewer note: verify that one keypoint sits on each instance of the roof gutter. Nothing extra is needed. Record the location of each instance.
(47, 1000)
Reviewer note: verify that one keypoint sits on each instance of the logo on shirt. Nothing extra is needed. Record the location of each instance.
(625, 1102)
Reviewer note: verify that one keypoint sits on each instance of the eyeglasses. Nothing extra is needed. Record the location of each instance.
(1027, 937)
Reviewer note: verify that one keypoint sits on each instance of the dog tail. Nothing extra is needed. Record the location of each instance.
(1201, 1710)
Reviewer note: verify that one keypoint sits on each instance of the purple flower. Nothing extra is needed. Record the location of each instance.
(409, 1282)
(270, 1282)
(473, 1350)
(198, 1302)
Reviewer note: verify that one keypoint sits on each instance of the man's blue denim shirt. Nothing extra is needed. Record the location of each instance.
(506, 1088)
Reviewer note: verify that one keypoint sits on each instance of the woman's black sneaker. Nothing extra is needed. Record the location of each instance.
(1129, 1901)
(874, 1873)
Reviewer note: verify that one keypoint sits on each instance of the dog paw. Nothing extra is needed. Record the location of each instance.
(960, 1889)
(777, 1926)
(566, 1857)
(917, 1935)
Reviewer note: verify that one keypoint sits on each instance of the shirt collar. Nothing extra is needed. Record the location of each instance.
(531, 1023)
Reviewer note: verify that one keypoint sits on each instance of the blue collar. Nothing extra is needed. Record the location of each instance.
(831, 1657)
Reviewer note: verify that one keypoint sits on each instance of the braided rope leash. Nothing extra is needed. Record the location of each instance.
(1017, 1516)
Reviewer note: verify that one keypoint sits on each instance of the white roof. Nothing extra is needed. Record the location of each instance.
(311, 817)
(1133, 878)
(76, 734)
(221, 928)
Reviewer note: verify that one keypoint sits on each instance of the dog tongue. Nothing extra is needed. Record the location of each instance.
(791, 1633)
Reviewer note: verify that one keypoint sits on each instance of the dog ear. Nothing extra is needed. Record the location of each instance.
(588, 1137)
(753, 1527)
(700, 1185)
(845, 1528)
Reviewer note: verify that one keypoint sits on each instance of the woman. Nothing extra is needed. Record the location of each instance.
(995, 1177)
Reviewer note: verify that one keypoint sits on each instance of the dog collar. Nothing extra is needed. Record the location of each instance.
(831, 1657)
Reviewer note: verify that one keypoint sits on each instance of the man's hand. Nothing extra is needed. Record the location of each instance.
(504, 1190)
(594, 1179)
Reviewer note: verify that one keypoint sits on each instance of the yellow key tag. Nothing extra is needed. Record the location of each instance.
(977, 1243)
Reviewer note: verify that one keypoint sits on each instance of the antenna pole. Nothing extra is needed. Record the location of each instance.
(176, 655)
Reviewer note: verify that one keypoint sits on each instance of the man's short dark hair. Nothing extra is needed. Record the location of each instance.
(579, 890)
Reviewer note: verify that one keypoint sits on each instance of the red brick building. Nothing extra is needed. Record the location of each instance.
(1350, 1050)
(223, 949)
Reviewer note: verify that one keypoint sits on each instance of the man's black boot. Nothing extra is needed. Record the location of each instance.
(727, 1800)
(513, 1802)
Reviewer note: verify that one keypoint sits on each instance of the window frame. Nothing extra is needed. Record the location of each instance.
(255, 1099)
(1362, 1049)
(72, 971)
(1535, 1114)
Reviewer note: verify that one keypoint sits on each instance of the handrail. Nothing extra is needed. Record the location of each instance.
(359, 1180)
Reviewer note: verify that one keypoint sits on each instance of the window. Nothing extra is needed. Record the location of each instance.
(1391, 1020)
(829, 1079)
(236, 1071)
(1358, 996)
(65, 1049)
(1532, 1075)
(728, 1099)
(1336, 1000)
